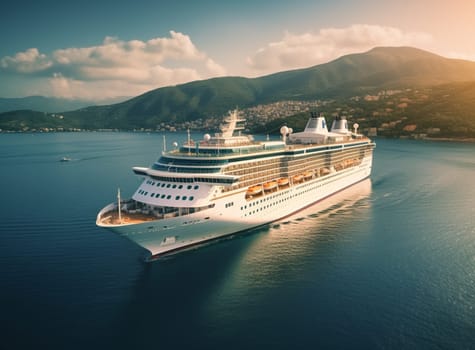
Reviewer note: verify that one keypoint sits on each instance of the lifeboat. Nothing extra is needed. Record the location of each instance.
(253, 190)
(270, 185)
(283, 181)
(324, 171)
(308, 174)
(297, 178)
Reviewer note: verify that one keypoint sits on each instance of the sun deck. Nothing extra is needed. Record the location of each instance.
(133, 212)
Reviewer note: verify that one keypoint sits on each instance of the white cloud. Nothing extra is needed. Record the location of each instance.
(116, 67)
(308, 49)
(29, 61)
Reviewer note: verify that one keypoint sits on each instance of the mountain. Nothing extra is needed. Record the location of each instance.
(382, 67)
(350, 75)
(50, 104)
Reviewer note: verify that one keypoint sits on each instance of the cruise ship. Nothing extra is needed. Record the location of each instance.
(230, 183)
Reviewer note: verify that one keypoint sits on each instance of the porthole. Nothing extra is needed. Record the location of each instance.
(183, 198)
(191, 198)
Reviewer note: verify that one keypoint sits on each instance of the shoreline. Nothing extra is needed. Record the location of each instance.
(401, 137)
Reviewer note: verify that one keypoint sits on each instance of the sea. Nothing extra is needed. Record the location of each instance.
(388, 263)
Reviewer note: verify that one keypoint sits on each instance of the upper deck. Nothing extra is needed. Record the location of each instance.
(207, 159)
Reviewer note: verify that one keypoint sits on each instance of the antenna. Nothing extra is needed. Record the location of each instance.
(189, 141)
(118, 205)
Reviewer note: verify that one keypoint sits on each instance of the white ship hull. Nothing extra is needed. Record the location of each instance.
(234, 213)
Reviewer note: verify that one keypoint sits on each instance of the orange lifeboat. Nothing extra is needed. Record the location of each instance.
(270, 185)
(253, 190)
(308, 174)
(297, 178)
(283, 181)
(324, 171)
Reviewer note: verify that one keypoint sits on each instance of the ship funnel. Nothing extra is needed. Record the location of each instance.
(316, 124)
(340, 125)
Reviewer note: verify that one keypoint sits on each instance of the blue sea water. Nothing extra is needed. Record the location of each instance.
(386, 264)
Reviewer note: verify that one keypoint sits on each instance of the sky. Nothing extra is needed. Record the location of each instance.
(103, 49)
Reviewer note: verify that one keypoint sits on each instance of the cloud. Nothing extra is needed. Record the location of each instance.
(308, 49)
(127, 67)
(26, 62)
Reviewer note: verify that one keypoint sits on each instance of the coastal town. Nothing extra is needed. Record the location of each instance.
(387, 113)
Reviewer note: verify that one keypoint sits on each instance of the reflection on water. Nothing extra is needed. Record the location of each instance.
(283, 253)
(297, 235)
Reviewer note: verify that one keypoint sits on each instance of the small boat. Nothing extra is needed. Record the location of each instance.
(270, 185)
(324, 171)
(253, 190)
(283, 181)
(297, 178)
(65, 159)
(308, 174)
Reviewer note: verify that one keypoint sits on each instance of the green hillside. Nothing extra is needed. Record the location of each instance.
(446, 110)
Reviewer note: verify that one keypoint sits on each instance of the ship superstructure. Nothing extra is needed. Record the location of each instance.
(229, 183)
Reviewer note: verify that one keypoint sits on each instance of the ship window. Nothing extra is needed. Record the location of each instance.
(180, 187)
(157, 195)
(196, 187)
(169, 196)
(145, 193)
(152, 194)
(162, 196)
(158, 184)
(163, 185)
(191, 198)
(188, 187)
(168, 186)
(177, 197)
(184, 197)
(174, 186)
